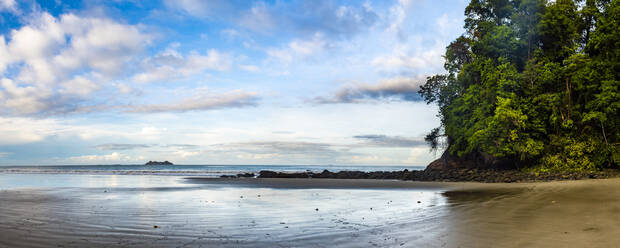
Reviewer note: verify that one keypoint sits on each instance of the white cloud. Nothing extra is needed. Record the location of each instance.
(300, 49)
(170, 65)
(251, 68)
(8, 5)
(258, 18)
(96, 159)
(96, 42)
(420, 156)
(23, 100)
(152, 131)
(248, 156)
(370, 160)
(186, 154)
(404, 57)
(196, 8)
(398, 15)
(200, 102)
(15, 131)
(124, 88)
(413, 50)
(79, 86)
(51, 47)
(45, 55)
(230, 33)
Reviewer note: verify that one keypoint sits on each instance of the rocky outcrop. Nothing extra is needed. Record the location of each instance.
(448, 161)
(452, 175)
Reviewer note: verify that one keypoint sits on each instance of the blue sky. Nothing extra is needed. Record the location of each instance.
(220, 82)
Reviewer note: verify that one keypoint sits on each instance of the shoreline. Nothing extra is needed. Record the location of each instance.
(328, 183)
(452, 175)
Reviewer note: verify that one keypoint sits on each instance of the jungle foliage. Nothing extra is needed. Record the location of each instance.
(535, 82)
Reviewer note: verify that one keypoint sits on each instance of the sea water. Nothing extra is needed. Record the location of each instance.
(191, 170)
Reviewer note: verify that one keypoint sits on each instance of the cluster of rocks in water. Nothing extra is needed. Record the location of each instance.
(453, 175)
(239, 175)
(159, 163)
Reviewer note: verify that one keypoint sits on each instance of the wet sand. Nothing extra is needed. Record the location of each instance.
(122, 211)
(583, 213)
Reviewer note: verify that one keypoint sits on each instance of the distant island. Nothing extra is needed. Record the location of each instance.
(159, 163)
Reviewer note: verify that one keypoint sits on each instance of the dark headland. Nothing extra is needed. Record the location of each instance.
(452, 169)
(158, 163)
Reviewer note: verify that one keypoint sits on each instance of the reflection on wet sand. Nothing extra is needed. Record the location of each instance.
(152, 211)
(222, 214)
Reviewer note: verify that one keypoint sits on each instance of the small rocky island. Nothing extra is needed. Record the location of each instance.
(159, 163)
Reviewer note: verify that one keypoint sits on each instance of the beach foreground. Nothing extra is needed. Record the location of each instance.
(169, 211)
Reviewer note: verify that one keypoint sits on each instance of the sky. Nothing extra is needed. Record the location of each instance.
(220, 81)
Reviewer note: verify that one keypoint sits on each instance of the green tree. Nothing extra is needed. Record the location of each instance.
(534, 83)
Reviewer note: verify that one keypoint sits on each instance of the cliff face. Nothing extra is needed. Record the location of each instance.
(448, 161)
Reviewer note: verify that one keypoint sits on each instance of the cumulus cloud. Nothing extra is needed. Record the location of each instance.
(53, 60)
(300, 49)
(400, 88)
(200, 102)
(16, 130)
(51, 47)
(170, 65)
(404, 59)
(411, 51)
(8, 5)
(389, 141)
(23, 100)
(58, 63)
(79, 86)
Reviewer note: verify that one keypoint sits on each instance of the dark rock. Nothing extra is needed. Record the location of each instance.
(273, 174)
(158, 163)
(447, 175)
(267, 174)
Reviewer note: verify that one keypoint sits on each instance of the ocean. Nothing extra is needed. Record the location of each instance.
(191, 170)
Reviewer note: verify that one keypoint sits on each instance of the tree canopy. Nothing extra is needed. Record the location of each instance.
(533, 83)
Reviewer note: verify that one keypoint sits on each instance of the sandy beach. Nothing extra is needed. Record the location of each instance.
(168, 211)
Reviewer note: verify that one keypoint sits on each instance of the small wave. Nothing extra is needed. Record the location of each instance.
(125, 172)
